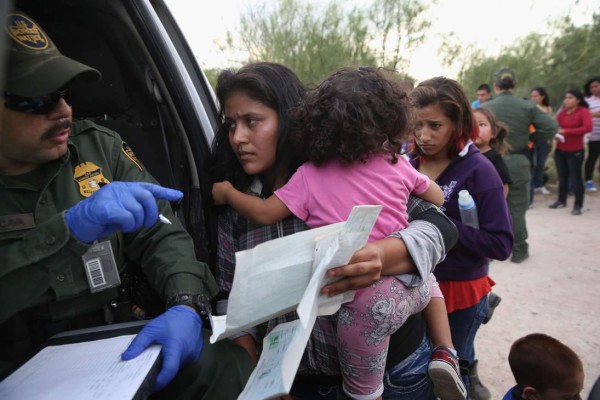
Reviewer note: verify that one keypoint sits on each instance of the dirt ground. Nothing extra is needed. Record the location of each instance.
(555, 291)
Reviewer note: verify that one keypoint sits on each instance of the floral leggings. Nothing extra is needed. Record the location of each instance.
(364, 328)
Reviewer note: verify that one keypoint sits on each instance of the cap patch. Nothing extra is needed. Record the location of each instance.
(26, 32)
(131, 155)
(89, 178)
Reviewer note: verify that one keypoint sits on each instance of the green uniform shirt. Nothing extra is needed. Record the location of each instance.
(40, 261)
(519, 114)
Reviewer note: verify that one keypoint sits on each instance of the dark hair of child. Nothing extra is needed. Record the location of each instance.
(542, 362)
(499, 129)
(352, 115)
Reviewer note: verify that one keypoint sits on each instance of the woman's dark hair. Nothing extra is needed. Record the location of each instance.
(278, 88)
(578, 94)
(450, 96)
(586, 87)
(351, 115)
(499, 130)
(542, 91)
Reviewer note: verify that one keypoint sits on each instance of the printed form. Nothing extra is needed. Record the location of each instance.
(85, 371)
(288, 273)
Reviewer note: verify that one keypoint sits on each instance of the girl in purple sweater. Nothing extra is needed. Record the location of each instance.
(443, 149)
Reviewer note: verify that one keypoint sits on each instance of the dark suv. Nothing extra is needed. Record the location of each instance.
(152, 91)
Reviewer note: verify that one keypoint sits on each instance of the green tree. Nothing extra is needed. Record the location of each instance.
(310, 43)
(316, 41)
(558, 61)
(400, 27)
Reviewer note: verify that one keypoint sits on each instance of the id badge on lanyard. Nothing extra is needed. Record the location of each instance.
(101, 267)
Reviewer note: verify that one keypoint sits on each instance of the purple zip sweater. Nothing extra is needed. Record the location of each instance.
(468, 259)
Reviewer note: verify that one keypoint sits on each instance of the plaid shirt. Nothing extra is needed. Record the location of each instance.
(236, 233)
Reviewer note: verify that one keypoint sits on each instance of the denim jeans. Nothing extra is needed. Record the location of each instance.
(408, 380)
(540, 155)
(464, 325)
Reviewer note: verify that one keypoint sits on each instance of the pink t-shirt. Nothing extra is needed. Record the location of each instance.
(326, 194)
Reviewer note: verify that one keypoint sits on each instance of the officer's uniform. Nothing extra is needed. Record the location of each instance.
(43, 277)
(519, 114)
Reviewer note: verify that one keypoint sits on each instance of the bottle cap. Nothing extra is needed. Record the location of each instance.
(464, 196)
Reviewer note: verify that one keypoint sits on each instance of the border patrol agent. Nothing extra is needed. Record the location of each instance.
(75, 204)
(519, 115)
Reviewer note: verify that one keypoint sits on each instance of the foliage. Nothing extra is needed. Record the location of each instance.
(558, 62)
(316, 41)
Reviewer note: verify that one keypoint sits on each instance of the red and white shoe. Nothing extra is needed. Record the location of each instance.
(445, 375)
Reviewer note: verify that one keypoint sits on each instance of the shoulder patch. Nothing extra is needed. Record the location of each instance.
(89, 177)
(131, 155)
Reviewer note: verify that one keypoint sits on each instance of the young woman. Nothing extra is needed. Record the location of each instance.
(252, 150)
(541, 148)
(575, 120)
(444, 150)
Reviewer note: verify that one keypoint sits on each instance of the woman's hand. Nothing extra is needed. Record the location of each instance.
(363, 269)
(219, 192)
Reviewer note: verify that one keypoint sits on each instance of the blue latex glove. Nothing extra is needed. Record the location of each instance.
(118, 206)
(179, 331)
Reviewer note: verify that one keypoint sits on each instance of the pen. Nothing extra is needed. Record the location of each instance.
(164, 219)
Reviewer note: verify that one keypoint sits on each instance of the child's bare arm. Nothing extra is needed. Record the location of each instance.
(434, 194)
(438, 326)
(261, 211)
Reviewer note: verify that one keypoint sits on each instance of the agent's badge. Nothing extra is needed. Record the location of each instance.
(131, 155)
(89, 178)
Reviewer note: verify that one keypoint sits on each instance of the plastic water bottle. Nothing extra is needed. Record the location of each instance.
(468, 209)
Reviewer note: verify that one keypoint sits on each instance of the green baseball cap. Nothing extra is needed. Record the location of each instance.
(35, 66)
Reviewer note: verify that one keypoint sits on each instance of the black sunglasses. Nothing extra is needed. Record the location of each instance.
(38, 105)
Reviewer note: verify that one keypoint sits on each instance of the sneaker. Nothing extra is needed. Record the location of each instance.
(557, 204)
(493, 301)
(445, 375)
(576, 210)
(590, 187)
(541, 190)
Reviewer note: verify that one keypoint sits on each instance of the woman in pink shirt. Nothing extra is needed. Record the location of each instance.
(575, 120)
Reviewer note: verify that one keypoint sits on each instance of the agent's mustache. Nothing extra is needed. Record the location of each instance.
(57, 127)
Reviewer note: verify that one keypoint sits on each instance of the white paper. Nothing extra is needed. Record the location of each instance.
(89, 370)
(284, 346)
(269, 280)
(281, 355)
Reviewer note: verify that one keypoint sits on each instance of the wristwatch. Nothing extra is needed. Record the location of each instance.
(199, 301)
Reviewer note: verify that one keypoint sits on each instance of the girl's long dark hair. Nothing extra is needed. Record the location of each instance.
(278, 88)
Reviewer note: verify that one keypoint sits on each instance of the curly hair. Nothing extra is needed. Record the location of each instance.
(351, 115)
(499, 131)
(273, 85)
(450, 96)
